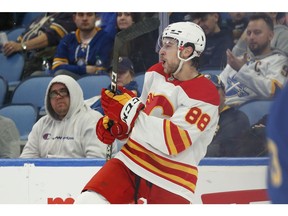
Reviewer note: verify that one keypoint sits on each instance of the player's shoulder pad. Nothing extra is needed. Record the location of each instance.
(201, 88)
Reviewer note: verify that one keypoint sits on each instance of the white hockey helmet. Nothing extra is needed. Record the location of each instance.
(186, 32)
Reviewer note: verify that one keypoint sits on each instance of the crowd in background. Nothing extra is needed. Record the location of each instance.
(224, 31)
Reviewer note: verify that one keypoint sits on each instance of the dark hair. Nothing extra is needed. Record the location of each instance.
(96, 13)
(202, 16)
(267, 19)
(136, 17)
(196, 60)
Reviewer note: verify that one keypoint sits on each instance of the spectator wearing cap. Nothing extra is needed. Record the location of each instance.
(126, 75)
(125, 78)
(232, 125)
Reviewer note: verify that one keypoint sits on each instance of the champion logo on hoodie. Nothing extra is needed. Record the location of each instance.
(47, 136)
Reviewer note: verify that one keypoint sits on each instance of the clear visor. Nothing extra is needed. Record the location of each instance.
(165, 42)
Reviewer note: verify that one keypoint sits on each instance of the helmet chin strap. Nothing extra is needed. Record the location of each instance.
(182, 61)
(179, 67)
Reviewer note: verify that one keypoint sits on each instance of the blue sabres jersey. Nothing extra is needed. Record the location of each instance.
(277, 134)
(73, 55)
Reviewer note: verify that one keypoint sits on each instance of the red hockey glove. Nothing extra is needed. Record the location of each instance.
(103, 132)
(118, 130)
(107, 131)
(123, 109)
(105, 98)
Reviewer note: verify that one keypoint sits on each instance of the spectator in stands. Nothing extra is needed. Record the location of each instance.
(68, 129)
(259, 74)
(280, 18)
(237, 23)
(39, 40)
(254, 140)
(232, 125)
(179, 16)
(141, 51)
(86, 51)
(125, 79)
(9, 139)
(218, 40)
(279, 41)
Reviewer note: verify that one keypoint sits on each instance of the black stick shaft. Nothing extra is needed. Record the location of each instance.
(136, 30)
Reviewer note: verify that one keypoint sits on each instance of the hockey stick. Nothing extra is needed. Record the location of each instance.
(126, 35)
(134, 31)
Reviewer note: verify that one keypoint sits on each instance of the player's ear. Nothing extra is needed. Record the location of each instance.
(187, 52)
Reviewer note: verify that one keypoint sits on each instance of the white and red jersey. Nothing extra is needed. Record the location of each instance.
(171, 135)
(260, 77)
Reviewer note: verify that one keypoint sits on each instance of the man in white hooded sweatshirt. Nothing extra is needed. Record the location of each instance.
(69, 128)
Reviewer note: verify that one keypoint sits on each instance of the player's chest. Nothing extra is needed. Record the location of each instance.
(162, 100)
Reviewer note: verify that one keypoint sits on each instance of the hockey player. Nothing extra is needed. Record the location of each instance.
(168, 136)
(278, 147)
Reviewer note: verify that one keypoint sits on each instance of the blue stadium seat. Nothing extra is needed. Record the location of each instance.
(3, 90)
(211, 71)
(93, 84)
(23, 115)
(15, 33)
(139, 78)
(11, 69)
(256, 109)
(31, 90)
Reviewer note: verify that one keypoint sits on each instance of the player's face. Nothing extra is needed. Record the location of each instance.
(59, 99)
(85, 21)
(168, 55)
(259, 37)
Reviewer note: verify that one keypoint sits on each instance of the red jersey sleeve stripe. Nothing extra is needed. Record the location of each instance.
(177, 139)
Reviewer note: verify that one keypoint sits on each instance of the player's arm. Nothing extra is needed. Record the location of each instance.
(174, 135)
